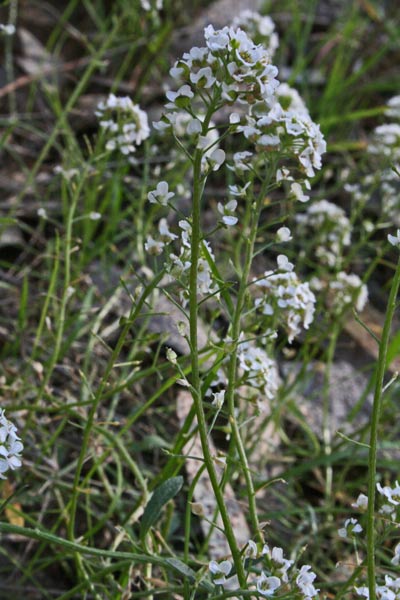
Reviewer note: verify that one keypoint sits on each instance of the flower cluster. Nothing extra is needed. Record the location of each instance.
(287, 132)
(390, 503)
(348, 290)
(351, 527)
(391, 497)
(386, 141)
(389, 591)
(10, 446)
(382, 183)
(286, 298)
(124, 123)
(230, 64)
(393, 108)
(328, 224)
(258, 370)
(278, 575)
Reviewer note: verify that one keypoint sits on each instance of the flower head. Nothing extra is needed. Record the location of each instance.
(10, 446)
(266, 586)
(305, 580)
(221, 570)
(351, 527)
(124, 123)
(160, 195)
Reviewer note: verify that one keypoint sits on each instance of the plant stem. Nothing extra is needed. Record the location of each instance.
(196, 381)
(376, 411)
(232, 367)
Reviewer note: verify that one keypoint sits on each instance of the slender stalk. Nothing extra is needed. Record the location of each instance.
(196, 381)
(376, 411)
(232, 371)
(232, 365)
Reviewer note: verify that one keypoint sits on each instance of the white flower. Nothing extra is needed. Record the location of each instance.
(216, 40)
(351, 526)
(153, 247)
(242, 161)
(266, 586)
(283, 263)
(203, 78)
(194, 127)
(283, 174)
(361, 502)
(221, 569)
(284, 234)
(165, 235)
(394, 239)
(160, 195)
(362, 591)
(298, 193)
(305, 580)
(216, 159)
(280, 563)
(183, 92)
(239, 191)
(251, 549)
(226, 211)
(392, 494)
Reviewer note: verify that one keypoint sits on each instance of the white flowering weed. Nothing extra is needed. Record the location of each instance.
(124, 123)
(10, 446)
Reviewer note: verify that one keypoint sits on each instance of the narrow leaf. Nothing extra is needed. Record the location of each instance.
(163, 494)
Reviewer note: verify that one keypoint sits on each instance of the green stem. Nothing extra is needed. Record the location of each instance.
(198, 184)
(376, 410)
(232, 365)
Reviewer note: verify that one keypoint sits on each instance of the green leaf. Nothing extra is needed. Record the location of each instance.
(186, 571)
(163, 494)
(181, 568)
